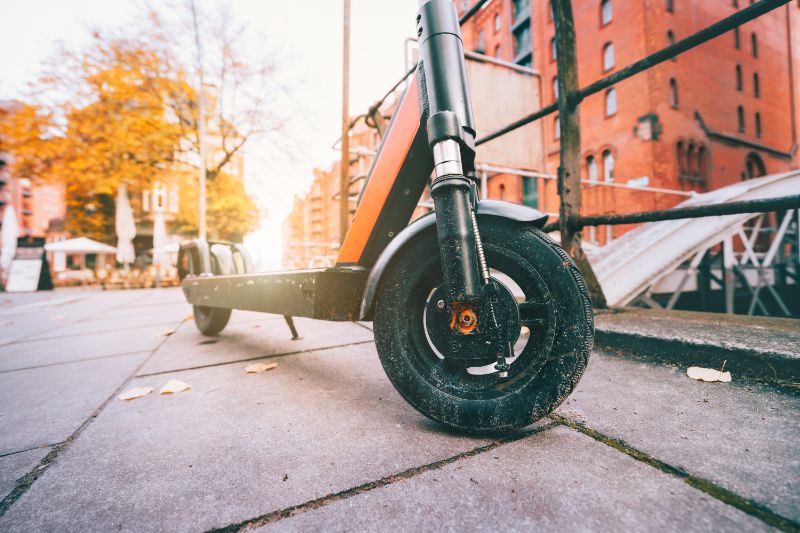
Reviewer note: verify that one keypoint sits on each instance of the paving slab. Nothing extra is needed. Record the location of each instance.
(741, 437)
(36, 353)
(14, 466)
(558, 480)
(44, 406)
(233, 447)
(253, 338)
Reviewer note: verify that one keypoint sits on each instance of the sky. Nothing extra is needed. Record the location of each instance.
(307, 38)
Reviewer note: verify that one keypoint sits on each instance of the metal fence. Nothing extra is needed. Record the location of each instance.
(570, 221)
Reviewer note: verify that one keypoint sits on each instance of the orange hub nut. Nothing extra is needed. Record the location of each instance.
(463, 318)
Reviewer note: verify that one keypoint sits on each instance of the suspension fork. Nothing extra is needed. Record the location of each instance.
(451, 136)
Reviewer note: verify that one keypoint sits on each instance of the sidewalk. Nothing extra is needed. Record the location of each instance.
(324, 442)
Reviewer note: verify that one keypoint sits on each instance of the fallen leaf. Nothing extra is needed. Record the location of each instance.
(165, 333)
(136, 392)
(174, 386)
(708, 374)
(257, 368)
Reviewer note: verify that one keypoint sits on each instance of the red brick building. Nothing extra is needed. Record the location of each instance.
(725, 111)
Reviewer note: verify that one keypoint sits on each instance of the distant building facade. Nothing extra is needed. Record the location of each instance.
(717, 114)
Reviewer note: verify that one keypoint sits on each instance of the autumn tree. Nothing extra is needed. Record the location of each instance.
(125, 110)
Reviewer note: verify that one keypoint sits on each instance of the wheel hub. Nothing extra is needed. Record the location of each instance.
(473, 334)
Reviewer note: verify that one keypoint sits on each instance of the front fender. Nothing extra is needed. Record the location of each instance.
(486, 208)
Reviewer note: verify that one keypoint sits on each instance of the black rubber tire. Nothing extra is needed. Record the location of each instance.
(548, 367)
(210, 321)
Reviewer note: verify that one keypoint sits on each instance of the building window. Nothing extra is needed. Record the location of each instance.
(497, 22)
(758, 124)
(754, 166)
(608, 56)
(611, 102)
(673, 93)
(739, 78)
(670, 37)
(606, 12)
(556, 128)
(740, 118)
(680, 150)
(530, 192)
(553, 49)
(608, 166)
(591, 168)
(670, 5)
(737, 38)
(735, 3)
(497, 52)
(756, 85)
(555, 88)
(481, 46)
(754, 44)
(702, 167)
(502, 191)
(691, 160)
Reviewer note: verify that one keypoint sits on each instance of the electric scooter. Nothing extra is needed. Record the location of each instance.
(481, 321)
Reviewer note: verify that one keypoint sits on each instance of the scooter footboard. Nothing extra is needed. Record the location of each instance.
(327, 294)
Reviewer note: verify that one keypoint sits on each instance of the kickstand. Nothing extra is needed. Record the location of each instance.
(290, 323)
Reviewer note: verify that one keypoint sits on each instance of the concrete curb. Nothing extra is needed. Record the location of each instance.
(689, 339)
(771, 367)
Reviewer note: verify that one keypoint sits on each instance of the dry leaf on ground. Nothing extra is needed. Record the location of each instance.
(708, 374)
(257, 368)
(165, 333)
(174, 386)
(136, 392)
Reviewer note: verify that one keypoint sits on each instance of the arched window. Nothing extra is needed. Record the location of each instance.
(739, 78)
(680, 150)
(754, 166)
(556, 128)
(673, 93)
(611, 102)
(754, 44)
(670, 5)
(740, 118)
(671, 41)
(737, 38)
(497, 52)
(606, 12)
(608, 56)
(553, 49)
(591, 168)
(497, 23)
(608, 166)
(691, 160)
(735, 3)
(756, 85)
(758, 124)
(555, 88)
(502, 191)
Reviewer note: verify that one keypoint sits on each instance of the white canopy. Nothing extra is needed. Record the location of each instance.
(80, 245)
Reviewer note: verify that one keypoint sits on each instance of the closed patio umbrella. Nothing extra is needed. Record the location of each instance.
(125, 228)
(8, 237)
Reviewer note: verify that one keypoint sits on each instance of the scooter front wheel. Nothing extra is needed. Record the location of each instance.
(557, 331)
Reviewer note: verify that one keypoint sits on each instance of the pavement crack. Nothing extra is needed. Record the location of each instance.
(717, 492)
(59, 363)
(15, 452)
(247, 360)
(328, 499)
(24, 483)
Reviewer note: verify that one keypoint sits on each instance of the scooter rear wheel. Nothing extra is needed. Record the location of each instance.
(210, 321)
(549, 358)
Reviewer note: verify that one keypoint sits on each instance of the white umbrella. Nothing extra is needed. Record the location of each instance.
(159, 241)
(79, 245)
(8, 237)
(125, 227)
